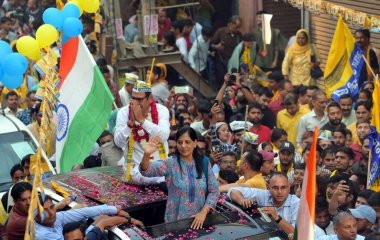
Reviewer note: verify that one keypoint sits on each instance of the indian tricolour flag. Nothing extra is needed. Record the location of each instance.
(85, 104)
(306, 212)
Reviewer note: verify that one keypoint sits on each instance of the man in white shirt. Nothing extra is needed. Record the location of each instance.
(345, 228)
(346, 104)
(317, 117)
(126, 91)
(199, 50)
(11, 99)
(142, 118)
(180, 41)
(285, 206)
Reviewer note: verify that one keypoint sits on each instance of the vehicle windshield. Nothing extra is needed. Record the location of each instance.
(13, 147)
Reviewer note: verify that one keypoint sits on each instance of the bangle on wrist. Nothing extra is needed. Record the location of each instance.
(278, 219)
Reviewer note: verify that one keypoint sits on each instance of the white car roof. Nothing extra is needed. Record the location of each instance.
(9, 123)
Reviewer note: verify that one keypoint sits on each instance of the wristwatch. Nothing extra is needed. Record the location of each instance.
(129, 218)
(278, 219)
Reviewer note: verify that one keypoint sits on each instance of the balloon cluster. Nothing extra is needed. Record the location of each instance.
(14, 65)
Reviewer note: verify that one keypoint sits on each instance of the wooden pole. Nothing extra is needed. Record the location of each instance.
(245, 130)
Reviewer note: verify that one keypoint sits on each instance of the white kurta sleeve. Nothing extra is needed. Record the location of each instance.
(122, 131)
(163, 127)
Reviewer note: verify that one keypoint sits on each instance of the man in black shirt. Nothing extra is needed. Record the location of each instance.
(334, 113)
(362, 37)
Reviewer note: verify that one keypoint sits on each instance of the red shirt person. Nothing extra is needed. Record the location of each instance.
(255, 115)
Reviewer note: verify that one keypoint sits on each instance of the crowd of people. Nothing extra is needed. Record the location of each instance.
(250, 142)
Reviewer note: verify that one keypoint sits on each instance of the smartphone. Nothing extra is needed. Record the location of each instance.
(215, 101)
(216, 148)
(183, 90)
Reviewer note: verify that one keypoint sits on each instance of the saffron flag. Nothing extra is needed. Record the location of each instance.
(85, 104)
(374, 144)
(344, 64)
(306, 214)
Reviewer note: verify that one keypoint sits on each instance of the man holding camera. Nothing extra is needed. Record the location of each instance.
(281, 206)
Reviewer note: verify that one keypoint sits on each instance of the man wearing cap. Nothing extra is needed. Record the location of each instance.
(142, 118)
(126, 91)
(268, 162)
(365, 217)
(249, 168)
(286, 164)
(237, 128)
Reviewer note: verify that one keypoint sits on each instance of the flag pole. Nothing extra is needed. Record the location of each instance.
(369, 66)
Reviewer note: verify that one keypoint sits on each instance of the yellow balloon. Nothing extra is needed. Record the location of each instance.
(27, 46)
(46, 35)
(91, 6)
(77, 3)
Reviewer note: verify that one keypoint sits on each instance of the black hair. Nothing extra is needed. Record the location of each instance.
(92, 161)
(373, 236)
(300, 165)
(16, 167)
(341, 130)
(30, 93)
(229, 176)
(204, 107)
(290, 99)
(44, 199)
(26, 159)
(172, 137)
(102, 62)
(189, 12)
(367, 93)
(72, 226)
(9, 94)
(5, 19)
(338, 177)
(277, 133)
(207, 31)
(248, 37)
(348, 151)
(104, 69)
(179, 24)
(104, 134)
(308, 148)
(157, 70)
(254, 160)
(170, 38)
(234, 18)
(366, 83)
(265, 91)
(365, 32)
(277, 76)
(366, 104)
(255, 105)
(188, 23)
(87, 20)
(200, 138)
(321, 204)
(374, 200)
(333, 104)
(345, 96)
(261, 12)
(131, 69)
(197, 154)
(329, 150)
(19, 188)
(312, 87)
(264, 144)
(300, 90)
(281, 84)
(230, 153)
(367, 193)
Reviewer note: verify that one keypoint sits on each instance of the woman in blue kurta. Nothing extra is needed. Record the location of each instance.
(192, 190)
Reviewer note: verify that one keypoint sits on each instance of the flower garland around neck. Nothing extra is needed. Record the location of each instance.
(141, 136)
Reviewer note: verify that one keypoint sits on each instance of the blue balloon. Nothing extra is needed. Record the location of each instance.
(5, 49)
(53, 17)
(15, 64)
(72, 27)
(12, 81)
(65, 38)
(70, 10)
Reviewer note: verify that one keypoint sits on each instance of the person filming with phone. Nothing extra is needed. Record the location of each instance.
(281, 206)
